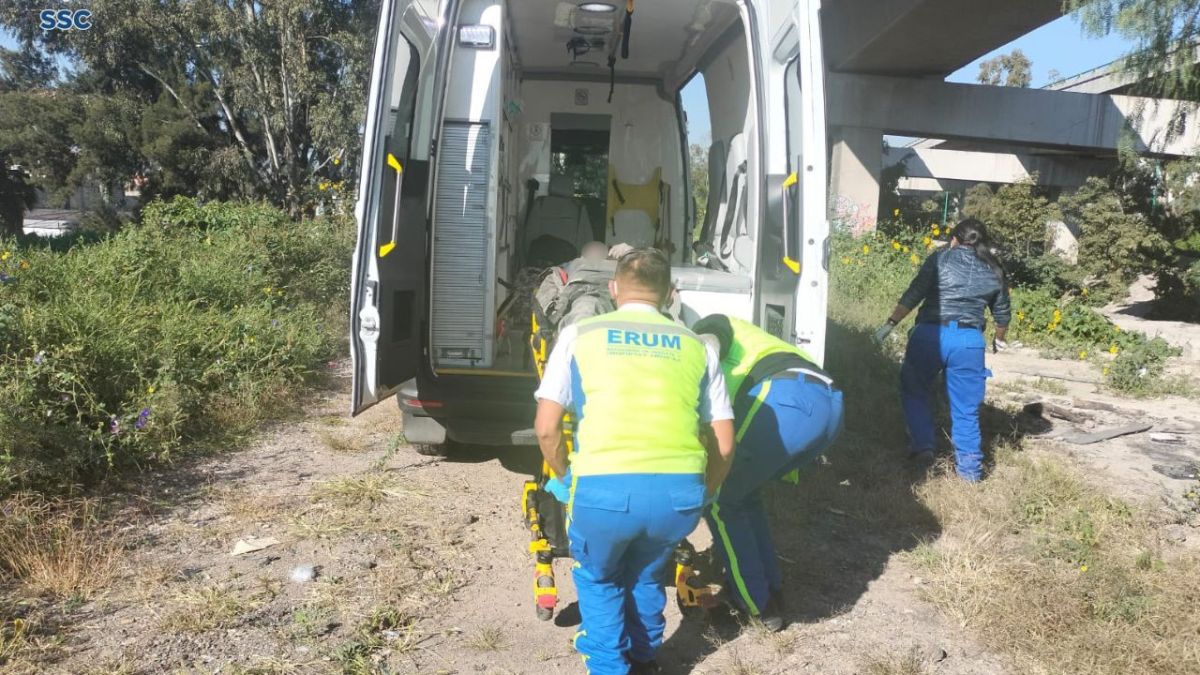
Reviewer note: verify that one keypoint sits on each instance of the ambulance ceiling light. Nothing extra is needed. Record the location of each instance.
(477, 36)
(597, 7)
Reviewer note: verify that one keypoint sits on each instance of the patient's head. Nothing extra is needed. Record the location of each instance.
(594, 250)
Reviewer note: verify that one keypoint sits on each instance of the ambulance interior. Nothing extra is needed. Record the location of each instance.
(544, 149)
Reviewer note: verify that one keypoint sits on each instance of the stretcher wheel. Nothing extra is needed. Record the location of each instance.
(689, 611)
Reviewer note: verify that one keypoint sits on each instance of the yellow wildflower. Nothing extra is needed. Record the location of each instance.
(267, 290)
(914, 259)
(936, 231)
(151, 389)
(24, 264)
(1113, 349)
(1085, 292)
(1117, 328)
(1020, 316)
(1104, 371)
(1083, 568)
(895, 245)
(250, 339)
(4, 256)
(336, 161)
(845, 261)
(905, 249)
(928, 241)
(866, 249)
(1083, 356)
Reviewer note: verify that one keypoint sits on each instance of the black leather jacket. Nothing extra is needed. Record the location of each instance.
(955, 285)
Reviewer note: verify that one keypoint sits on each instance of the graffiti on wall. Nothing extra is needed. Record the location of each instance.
(849, 215)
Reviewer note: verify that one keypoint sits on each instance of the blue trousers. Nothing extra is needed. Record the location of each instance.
(959, 352)
(793, 422)
(623, 529)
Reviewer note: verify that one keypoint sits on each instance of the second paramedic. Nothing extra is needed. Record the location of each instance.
(787, 412)
(654, 436)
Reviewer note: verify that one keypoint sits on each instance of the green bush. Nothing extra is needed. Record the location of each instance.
(1178, 294)
(114, 353)
(1139, 368)
(868, 274)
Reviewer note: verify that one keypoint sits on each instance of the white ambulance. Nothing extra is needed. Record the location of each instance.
(504, 134)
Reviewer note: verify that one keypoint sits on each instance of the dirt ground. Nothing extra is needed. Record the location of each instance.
(419, 565)
(421, 568)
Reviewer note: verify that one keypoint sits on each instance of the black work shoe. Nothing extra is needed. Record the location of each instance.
(638, 668)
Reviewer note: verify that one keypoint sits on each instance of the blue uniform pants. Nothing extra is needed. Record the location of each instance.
(623, 529)
(792, 423)
(933, 348)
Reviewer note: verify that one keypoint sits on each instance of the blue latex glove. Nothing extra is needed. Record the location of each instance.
(560, 487)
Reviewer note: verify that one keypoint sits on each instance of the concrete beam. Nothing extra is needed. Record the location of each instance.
(1032, 117)
(929, 164)
(924, 37)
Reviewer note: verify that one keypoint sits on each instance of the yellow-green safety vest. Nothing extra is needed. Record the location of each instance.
(750, 344)
(637, 396)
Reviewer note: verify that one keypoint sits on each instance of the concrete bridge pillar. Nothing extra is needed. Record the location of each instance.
(856, 160)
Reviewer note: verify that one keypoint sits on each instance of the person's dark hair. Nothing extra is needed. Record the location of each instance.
(718, 325)
(648, 268)
(973, 234)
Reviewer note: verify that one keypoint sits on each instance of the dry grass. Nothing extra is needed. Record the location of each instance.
(14, 638)
(205, 609)
(737, 663)
(488, 639)
(343, 442)
(317, 524)
(244, 504)
(908, 663)
(1022, 384)
(60, 548)
(781, 643)
(388, 630)
(1046, 567)
(270, 666)
(369, 488)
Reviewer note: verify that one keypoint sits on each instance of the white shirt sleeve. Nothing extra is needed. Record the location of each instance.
(714, 401)
(556, 380)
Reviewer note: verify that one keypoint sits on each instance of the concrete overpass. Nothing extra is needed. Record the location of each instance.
(886, 59)
(923, 38)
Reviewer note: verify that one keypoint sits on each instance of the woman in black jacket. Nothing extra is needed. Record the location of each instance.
(953, 288)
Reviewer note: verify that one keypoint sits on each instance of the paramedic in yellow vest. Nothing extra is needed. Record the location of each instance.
(787, 412)
(653, 438)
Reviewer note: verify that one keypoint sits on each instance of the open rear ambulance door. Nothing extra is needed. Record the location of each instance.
(796, 176)
(389, 282)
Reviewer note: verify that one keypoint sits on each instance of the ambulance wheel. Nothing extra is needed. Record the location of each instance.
(430, 449)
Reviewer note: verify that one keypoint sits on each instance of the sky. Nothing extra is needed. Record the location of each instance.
(1059, 45)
